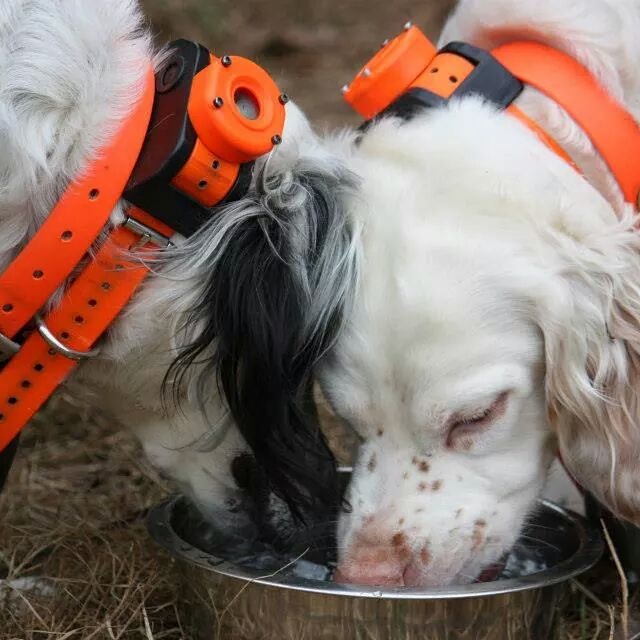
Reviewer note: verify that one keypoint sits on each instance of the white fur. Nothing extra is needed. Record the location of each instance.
(490, 266)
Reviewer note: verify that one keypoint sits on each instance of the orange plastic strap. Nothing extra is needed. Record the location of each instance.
(611, 129)
(74, 224)
(446, 72)
(90, 305)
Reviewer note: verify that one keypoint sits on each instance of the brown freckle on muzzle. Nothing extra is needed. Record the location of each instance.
(371, 465)
(459, 513)
(425, 555)
(423, 466)
(401, 521)
(478, 535)
(399, 540)
(437, 485)
(422, 486)
(400, 545)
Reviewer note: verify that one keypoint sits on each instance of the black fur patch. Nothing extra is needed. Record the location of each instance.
(256, 303)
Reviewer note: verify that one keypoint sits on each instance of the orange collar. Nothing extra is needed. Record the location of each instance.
(68, 333)
(408, 74)
(187, 146)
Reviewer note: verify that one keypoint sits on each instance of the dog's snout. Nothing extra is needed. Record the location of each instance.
(373, 566)
(376, 556)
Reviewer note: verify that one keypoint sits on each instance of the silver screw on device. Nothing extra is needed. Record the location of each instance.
(218, 102)
(407, 25)
(276, 139)
(345, 89)
(283, 98)
(226, 61)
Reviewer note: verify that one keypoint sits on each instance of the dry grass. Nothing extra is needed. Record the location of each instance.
(72, 525)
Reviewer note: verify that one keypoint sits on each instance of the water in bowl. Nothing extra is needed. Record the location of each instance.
(534, 551)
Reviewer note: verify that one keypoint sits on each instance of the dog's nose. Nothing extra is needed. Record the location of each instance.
(373, 566)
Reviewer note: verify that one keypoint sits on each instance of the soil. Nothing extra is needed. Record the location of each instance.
(311, 48)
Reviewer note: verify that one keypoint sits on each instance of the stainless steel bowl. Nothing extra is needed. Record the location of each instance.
(223, 600)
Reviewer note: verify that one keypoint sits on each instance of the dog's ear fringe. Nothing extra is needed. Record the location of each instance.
(593, 369)
(271, 305)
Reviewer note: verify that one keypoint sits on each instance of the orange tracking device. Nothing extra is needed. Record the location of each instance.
(212, 117)
(408, 75)
(408, 72)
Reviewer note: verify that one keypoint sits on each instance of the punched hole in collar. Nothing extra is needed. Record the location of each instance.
(12, 400)
(37, 274)
(7, 308)
(79, 319)
(434, 70)
(66, 235)
(38, 366)
(453, 79)
(106, 286)
(92, 302)
(25, 384)
(94, 193)
(65, 335)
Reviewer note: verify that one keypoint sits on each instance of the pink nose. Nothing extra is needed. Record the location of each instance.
(372, 565)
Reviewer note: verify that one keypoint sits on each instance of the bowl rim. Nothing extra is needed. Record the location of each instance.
(589, 551)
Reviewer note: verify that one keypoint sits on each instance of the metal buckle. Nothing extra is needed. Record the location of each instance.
(147, 234)
(62, 349)
(8, 348)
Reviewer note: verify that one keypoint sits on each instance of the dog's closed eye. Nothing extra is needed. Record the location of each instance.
(463, 426)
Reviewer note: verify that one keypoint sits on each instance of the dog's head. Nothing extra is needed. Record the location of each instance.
(498, 298)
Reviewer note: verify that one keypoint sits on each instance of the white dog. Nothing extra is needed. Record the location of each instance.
(497, 315)
(466, 299)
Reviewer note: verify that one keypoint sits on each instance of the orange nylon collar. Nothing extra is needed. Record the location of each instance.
(73, 225)
(408, 74)
(98, 293)
(609, 126)
(447, 71)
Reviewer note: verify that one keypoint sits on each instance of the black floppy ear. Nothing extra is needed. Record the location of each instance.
(271, 307)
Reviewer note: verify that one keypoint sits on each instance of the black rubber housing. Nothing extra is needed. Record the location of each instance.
(490, 79)
(169, 144)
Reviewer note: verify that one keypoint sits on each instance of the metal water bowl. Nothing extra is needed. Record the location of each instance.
(224, 600)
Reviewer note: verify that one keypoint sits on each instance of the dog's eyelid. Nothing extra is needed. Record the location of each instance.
(474, 420)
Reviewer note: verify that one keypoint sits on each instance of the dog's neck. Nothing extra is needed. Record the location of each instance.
(593, 35)
(62, 98)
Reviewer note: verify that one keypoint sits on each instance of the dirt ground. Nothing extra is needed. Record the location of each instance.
(73, 547)
(312, 48)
